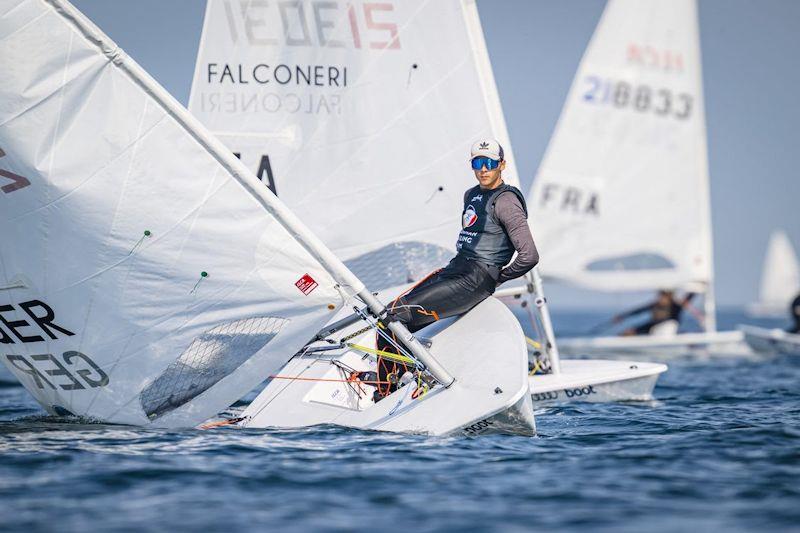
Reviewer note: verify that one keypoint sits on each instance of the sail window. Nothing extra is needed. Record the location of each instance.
(210, 357)
(398, 264)
(640, 261)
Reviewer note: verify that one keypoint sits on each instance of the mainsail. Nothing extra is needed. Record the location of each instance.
(780, 277)
(146, 277)
(358, 115)
(621, 199)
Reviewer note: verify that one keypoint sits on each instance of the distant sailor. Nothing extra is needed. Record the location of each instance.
(795, 312)
(494, 225)
(665, 308)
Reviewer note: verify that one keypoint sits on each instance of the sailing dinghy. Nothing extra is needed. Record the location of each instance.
(406, 96)
(621, 199)
(149, 278)
(771, 341)
(553, 380)
(780, 278)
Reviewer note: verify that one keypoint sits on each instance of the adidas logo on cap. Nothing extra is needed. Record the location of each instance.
(488, 148)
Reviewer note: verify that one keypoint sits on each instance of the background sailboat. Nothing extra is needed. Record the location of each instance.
(780, 284)
(621, 198)
(780, 278)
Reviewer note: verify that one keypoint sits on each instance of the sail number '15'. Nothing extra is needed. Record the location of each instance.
(17, 182)
(641, 98)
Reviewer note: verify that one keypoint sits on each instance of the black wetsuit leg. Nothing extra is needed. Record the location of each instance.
(454, 290)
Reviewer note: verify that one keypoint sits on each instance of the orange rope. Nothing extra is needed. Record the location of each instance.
(220, 423)
(434, 314)
(298, 378)
(381, 361)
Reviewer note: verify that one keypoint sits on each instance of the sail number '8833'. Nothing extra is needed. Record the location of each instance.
(642, 98)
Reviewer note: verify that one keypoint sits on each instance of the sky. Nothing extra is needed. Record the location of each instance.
(751, 83)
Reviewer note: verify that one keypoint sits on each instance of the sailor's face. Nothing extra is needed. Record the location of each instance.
(489, 179)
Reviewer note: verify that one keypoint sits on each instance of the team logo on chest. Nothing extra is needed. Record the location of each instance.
(469, 218)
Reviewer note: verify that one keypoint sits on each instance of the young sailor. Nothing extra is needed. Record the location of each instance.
(665, 307)
(494, 225)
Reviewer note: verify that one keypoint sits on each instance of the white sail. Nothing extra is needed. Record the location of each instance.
(780, 277)
(621, 199)
(146, 277)
(359, 115)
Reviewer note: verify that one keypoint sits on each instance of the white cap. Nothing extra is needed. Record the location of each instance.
(487, 147)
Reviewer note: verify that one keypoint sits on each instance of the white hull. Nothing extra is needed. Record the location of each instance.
(711, 343)
(767, 310)
(771, 341)
(595, 380)
(484, 350)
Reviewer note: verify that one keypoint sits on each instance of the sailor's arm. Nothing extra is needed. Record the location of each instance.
(646, 307)
(511, 215)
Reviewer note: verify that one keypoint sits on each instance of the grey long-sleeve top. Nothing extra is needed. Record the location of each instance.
(509, 212)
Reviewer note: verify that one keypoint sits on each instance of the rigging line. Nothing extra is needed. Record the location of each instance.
(355, 334)
(382, 353)
(342, 365)
(330, 380)
(352, 375)
(388, 339)
(280, 392)
(221, 423)
(533, 342)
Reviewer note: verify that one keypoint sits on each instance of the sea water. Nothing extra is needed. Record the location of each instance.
(717, 450)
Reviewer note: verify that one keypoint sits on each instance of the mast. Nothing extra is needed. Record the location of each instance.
(709, 299)
(491, 96)
(544, 315)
